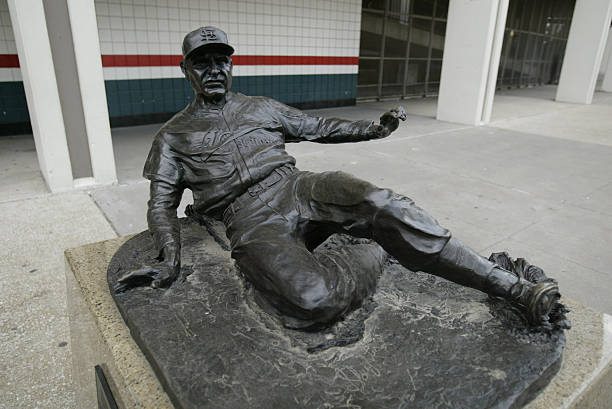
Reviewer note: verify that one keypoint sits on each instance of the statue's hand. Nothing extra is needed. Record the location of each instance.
(158, 275)
(389, 121)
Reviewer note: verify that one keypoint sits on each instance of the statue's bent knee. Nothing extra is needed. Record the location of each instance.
(319, 303)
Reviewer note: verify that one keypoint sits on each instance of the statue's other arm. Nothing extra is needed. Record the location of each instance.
(164, 171)
(162, 220)
(300, 126)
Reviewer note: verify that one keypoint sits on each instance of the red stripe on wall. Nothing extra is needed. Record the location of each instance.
(293, 60)
(9, 61)
(110, 60)
(132, 60)
(174, 60)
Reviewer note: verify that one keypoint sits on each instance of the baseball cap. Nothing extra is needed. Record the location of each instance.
(209, 37)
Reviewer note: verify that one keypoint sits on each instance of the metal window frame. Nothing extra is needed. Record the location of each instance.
(383, 41)
(406, 59)
(527, 20)
(544, 43)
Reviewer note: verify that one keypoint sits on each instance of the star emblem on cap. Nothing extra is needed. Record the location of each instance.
(208, 35)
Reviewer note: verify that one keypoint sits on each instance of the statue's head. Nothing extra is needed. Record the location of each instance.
(206, 62)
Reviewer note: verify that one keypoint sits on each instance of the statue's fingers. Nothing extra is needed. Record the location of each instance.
(141, 273)
(384, 132)
(402, 114)
(390, 125)
(163, 281)
(381, 131)
(385, 120)
(121, 287)
(564, 324)
(157, 283)
(399, 113)
(134, 279)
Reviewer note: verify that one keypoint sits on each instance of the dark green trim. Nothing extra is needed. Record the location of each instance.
(152, 96)
(134, 102)
(144, 119)
(13, 105)
(332, 103)
(292, 89)
(156, 118)
(15, 128)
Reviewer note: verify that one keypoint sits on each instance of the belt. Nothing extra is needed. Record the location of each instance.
(257, 188)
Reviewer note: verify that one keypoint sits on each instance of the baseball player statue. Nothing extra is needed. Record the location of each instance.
(229, 150)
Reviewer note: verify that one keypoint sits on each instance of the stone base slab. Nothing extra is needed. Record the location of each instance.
(100, 337)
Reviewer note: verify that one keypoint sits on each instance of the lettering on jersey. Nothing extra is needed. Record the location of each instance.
(227, 148)
(251, 140)
(212, 139)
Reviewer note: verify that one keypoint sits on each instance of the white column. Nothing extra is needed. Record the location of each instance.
(32, 40)
(472, 49)
(496, 49)
(606, 85)
(91, 81)
(584, 51)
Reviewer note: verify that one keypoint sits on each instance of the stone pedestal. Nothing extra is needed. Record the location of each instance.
(99, 336)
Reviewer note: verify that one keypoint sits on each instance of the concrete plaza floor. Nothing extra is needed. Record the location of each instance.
(536, 181)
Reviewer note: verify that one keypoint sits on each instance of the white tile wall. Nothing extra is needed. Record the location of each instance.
(254, 27)
(7, 43)
(10, 74)
(117, 73)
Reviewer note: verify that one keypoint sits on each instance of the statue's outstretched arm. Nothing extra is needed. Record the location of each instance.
(299, 126)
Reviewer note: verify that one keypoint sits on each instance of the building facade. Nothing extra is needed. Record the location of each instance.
(78, 67)
(304, 53)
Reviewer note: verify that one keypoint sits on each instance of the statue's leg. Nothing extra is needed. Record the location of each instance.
(307, 289)
(361, 260)
(415, 238)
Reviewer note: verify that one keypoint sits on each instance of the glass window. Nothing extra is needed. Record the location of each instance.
(514, 13)
(415, 89)
(416, 72)
(419, 37)
(393, 73)
(437, 41)
(367, 91)
(526, 15)
(368, 72)
(435, 69)
(396, 36)
(399, 7)
(423, 7)
(534, 17)
(432, 89)
(522, 48)
(442, 9)
(537, 53)
(371, 34)
(373, 4)
(535, 31)
(393, 78)
(532, 52)
(529, 46)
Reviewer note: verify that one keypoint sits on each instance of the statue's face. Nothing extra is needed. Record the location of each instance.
(209, 74)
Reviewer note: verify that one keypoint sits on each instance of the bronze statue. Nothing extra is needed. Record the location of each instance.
(228, 149)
